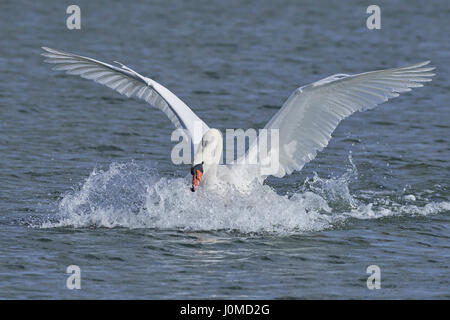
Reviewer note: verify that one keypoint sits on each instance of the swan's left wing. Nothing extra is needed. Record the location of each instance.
(312, 113)
(128, 82)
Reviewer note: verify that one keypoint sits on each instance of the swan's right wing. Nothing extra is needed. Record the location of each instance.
(128, 82)
(310, 115)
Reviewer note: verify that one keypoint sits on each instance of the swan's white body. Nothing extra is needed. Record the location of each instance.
(305, 121)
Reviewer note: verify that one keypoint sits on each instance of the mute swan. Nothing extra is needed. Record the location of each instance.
(305, 121)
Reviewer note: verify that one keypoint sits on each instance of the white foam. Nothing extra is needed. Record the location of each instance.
(410, 197)
(135, 196)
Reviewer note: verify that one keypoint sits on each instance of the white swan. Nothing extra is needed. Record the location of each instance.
(305, 121)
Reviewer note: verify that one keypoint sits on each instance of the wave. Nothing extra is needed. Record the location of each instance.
(132, 195)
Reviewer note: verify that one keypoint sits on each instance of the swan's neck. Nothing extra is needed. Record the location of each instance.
(210, 155)
(212, 163)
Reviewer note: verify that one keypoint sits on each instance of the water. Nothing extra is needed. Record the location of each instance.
(86, 177)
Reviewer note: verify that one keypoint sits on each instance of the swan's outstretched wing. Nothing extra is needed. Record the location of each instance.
(128, 82)
(312, 113)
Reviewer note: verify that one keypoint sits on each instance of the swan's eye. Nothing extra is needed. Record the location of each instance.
(204, 143)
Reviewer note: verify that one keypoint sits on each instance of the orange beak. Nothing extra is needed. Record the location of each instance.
(197, 173)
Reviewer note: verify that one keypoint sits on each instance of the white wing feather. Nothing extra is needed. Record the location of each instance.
(310, 115)
(128, 82)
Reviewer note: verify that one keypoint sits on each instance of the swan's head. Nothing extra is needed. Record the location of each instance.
(207, 158)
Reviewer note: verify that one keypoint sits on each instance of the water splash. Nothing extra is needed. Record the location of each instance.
(131, 195)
